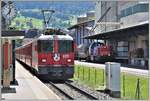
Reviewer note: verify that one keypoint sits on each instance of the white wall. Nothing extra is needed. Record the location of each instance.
(134, 19)
(97, 16)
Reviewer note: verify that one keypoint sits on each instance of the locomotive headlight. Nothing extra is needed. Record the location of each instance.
(43, 60)
(68, 60)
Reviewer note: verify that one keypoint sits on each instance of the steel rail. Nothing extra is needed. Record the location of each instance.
(61, 91)
(81, 91)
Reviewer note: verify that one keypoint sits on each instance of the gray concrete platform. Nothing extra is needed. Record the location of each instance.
(29, 87)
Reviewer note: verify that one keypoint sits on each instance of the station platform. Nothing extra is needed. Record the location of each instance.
(28, 87)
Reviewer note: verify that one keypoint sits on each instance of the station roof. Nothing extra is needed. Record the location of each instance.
(135, 30)
(80, 24)
(12, 34)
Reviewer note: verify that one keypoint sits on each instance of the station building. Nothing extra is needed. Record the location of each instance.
(83, 28)
(126, 28)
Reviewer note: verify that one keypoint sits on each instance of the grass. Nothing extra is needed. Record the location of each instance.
(130, 84)
(37, 23)
(88, 75)
(95, 78)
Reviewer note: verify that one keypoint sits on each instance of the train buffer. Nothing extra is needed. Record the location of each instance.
(28, 87)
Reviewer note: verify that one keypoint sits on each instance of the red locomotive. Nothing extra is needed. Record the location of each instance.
(51, 56)
(104, 53)
(95, 52)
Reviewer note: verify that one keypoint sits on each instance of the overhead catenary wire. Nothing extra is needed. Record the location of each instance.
(100, 19)
(46, 22)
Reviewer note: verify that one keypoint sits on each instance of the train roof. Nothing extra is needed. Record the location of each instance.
(51, 37)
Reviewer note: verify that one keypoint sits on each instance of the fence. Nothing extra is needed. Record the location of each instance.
(93, 76)
(132, 87)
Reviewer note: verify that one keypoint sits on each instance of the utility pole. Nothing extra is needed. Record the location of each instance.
(0, 60)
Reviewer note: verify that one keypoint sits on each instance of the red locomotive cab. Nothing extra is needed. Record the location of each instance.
(56, 57)
(55, 52)
(104, 50)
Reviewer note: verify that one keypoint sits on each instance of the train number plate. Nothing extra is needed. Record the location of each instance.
(65, 56)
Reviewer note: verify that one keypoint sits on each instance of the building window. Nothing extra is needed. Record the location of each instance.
(140, 8)
(122, 49)
(122, 13)
(128, 11)
(134, 9)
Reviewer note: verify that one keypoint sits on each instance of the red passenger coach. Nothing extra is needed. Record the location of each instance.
(51, 56)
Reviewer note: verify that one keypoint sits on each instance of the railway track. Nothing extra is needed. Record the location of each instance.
(71, 92)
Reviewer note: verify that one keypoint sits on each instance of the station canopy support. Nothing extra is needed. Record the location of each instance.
(8, 56)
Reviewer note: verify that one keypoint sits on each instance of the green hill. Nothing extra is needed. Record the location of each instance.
(30, 16)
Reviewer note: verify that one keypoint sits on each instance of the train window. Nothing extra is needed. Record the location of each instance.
(65, 46)
(45, 46)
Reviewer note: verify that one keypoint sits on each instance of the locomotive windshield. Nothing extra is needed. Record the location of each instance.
(45, 46)
(65, 46)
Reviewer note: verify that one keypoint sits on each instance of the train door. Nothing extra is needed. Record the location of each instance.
(34, 55)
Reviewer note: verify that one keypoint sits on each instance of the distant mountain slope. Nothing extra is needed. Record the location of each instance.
(60, 6)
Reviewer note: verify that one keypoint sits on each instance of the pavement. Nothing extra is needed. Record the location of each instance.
(133, 71)
(29, 87)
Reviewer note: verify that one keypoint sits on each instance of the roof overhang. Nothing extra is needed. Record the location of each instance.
(80, 24)
(13, 34)
(140, 29)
